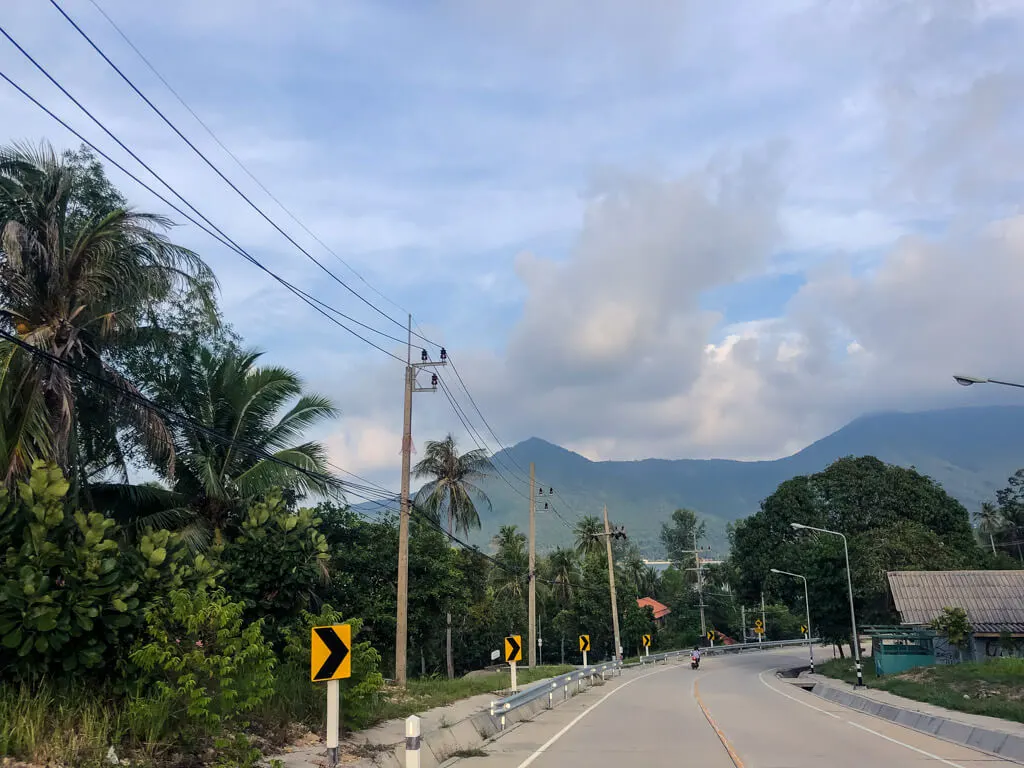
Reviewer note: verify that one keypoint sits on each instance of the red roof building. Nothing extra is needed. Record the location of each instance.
(660, 609)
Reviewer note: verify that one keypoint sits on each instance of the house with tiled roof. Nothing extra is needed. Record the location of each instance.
(661, 611)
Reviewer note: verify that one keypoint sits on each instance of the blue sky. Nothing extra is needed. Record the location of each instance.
(656, 228)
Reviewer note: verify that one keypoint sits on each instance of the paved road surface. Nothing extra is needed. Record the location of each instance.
(657, 719)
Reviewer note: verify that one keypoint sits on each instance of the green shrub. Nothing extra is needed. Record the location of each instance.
(359, 692)
(202, 660)
(74, 593)
(68, 595)
(274, 564)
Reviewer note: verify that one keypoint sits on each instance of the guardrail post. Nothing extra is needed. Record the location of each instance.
(412, 742)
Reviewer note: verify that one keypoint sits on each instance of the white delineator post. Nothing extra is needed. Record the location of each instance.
(333, 720)
(647, 651)
(515, 687)
(412, 742)
(584, 658)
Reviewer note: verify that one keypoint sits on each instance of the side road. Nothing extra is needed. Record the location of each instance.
(1004, 738)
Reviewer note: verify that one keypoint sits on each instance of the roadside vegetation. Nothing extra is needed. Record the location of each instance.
(994, 687)
(168, 618)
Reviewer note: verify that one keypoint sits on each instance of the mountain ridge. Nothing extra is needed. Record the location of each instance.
(969, 450)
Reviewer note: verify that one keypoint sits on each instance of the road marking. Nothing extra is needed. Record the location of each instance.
(902, 744)
(858, 725)
(794, 698)
(721, 736)
(544, 747)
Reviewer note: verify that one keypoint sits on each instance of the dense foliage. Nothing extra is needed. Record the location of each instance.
(893, 518)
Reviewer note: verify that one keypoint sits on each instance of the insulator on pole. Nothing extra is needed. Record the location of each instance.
(433, 380)
(444, 354)
(423, 355)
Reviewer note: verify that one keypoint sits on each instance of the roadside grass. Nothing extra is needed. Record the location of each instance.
(75, 725)
(994, 688)
(429, 692)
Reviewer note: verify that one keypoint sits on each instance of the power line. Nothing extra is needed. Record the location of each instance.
(245, 446)
(220, 173)
(234, 157)
(221, 237)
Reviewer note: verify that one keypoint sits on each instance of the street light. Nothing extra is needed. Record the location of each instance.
(966, 381)
(849, 584)
(807, 605)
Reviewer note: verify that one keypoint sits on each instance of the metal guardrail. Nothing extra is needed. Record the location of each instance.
(722, 650)
(550, 687)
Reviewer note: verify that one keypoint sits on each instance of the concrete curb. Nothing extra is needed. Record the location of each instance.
(1006, 745)
(473, 732)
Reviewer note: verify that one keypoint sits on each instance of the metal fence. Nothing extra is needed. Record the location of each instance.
(561, 684)
(722, 650)
(552, 687)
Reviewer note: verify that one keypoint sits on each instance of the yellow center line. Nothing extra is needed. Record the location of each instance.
(721, 736)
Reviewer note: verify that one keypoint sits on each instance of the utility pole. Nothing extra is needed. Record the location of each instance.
(700, 584)
(611, 585)
(532, 656)
(743, 621)
(402, 614)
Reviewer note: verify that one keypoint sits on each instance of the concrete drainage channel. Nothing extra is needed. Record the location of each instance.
(1006, 745)
(442, 746)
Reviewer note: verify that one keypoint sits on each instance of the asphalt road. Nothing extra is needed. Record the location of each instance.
(733, 713)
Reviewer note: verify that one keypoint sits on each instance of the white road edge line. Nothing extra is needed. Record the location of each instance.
(544, 747)
(794, 698)
(857, 725)
(902, 744)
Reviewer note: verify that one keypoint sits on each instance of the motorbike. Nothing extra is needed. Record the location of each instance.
(694, 663)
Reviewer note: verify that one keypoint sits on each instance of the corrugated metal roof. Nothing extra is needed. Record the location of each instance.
(991, 598)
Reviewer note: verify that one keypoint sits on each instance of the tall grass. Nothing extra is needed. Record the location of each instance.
(51, 726)
(426, 693)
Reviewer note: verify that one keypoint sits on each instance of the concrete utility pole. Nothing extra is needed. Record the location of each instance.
(700, 584)
(743, 621)
(611, 585)
(402, 614)
(532, 656)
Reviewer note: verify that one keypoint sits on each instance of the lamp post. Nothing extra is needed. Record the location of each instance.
(849, 585)
(965, 381)
(807, 605)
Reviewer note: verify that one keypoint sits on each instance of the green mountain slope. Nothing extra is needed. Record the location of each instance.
(970, 451)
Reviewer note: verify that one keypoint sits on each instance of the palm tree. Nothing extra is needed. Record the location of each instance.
(451, 488)
(589, 531)
(563, 567)
(450, 492)
(512, 563)
(75, 284)
(991, 522)
(650, 582)
(243, 445)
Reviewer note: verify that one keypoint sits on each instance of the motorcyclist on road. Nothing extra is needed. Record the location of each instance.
(695, 654)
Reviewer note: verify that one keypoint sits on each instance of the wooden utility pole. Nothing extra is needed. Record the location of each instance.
(611, 585)
(532, 655)
(402, 613)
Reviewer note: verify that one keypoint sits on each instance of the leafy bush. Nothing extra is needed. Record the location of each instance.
(360, 691)
(953, 623)
(203, 659)
(74, 595)
(275, 562)
(68, 595)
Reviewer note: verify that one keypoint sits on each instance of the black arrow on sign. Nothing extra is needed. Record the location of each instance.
(586, 644)
(514, 646)
(338, 649)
